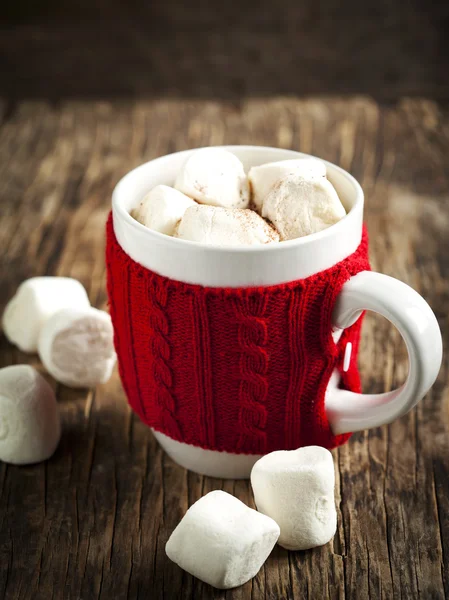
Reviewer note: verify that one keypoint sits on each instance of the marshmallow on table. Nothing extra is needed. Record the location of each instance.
(222, 541)
(296, 489)
(263, 178)
(214, 176)
(298, 206)
(225, 227)
(30, 426)
(76, 347)
(35, 300)
(162, 209)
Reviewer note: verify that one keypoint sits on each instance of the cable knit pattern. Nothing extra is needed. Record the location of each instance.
(118, 284)
(241, 370)
(202, 370)
(253, 362)
(159, 330)
(298, 357)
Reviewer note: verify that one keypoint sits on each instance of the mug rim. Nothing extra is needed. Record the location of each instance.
(119, 209)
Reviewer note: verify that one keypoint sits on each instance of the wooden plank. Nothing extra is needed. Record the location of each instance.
(93, 521)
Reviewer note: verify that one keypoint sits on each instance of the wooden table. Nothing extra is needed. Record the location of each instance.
(92, 522)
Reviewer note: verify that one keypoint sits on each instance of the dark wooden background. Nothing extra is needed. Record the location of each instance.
(90, 90)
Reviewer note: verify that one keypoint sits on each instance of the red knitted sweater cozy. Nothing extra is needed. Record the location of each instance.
(241, 370)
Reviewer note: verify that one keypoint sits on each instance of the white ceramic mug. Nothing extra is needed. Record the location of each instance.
(274, 264)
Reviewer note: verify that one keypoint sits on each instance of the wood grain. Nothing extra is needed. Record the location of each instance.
(92, 522)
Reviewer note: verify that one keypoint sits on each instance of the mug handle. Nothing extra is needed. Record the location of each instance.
(416, 322)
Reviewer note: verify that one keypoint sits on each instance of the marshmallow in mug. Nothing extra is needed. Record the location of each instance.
(296, 489)
(298, 206)
(30, 426)
(264, 177)
(76, 347)
(225, 227)
(162, 209)
(216, 177)
(222, 541)
(36, 300)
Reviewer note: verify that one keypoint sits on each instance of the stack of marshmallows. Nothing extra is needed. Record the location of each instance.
(214, 202)
(51, 316)
(223, 542)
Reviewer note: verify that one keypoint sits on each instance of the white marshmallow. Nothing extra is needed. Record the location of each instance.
(76, 347)
(162, 209)
(222, 541)
(214, 176)
(30, 426)
(35, 300)
(263, 178)
(298, 206)
(225, 227)
(296, 489)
